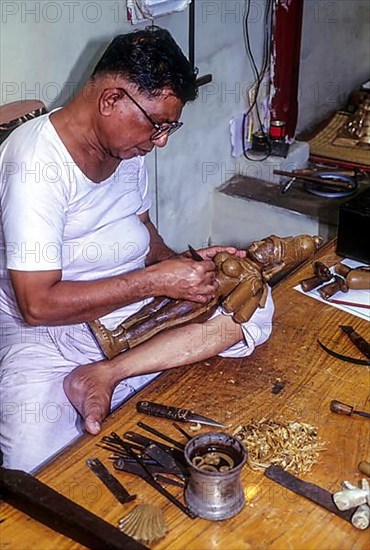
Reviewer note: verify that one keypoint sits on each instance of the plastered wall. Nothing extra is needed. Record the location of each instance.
(49, 47)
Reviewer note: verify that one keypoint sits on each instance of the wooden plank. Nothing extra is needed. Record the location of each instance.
(236, 391)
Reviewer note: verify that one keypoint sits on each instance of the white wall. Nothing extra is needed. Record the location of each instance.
(335, 56)
(48, 48)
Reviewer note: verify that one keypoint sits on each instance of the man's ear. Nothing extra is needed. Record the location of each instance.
(108, 100)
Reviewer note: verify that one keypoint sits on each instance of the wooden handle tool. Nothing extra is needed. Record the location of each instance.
(342, 408)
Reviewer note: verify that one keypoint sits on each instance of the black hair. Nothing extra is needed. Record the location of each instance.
(152, 61)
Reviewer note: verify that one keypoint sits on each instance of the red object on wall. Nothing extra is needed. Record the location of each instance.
(287, 33)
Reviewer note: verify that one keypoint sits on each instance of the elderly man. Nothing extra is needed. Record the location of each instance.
(79, 245)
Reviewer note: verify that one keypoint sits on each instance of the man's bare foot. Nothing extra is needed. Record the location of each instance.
(89, 388)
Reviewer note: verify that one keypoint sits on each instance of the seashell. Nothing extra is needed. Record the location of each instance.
(145, 522)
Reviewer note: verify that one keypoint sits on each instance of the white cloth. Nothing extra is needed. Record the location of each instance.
(54, 217)
(64, 220)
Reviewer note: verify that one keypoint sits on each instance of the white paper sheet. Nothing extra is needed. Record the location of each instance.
(356, 296)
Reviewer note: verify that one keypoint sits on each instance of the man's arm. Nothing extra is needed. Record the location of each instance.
(45, 299)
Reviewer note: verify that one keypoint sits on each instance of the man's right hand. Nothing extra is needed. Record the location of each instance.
(186, 279)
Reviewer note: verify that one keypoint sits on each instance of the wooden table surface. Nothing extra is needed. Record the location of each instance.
(236, 391)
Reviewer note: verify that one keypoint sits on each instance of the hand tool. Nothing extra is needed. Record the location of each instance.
(182, 431)
(174, 413)
(37, 500)
(165, 460)
(340, 182)
(146, 441)
(353, 360)
(342, 408)
(194, 254)
(131, 466)
(149, 478)
(357, 340)
(312, 492)
(109, 481)
(151, 430)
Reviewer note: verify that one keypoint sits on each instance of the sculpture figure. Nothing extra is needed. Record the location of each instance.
(242, 289)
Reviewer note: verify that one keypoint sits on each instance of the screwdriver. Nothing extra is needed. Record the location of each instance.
(342, 408)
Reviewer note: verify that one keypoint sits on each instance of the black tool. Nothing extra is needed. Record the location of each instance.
(165, 460)
(312, 492)
(174, 413)
(109, 481)
(176, 454)
(342, 357)
(194, 254)
(37, 500)
(182, 431)
(342, 408)
(131, 466)
(153, 431)
(360, 342)
(147, 476)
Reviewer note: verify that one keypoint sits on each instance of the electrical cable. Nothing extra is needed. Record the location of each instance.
(259, 75)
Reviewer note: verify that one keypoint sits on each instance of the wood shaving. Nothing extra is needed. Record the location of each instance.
(145, 523)
(195, 427)
(294, 445)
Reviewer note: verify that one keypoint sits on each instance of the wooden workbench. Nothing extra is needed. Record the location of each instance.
(236, 391)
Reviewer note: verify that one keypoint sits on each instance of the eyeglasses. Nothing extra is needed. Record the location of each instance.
(166, 128)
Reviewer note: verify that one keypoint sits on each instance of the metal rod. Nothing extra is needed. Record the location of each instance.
(182, 431)
(153, 431)
(312, 179)
(345, 303)
(148, 477)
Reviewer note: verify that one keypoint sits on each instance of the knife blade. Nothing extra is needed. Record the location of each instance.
(175, 413)
(194, 254)
(356, 338)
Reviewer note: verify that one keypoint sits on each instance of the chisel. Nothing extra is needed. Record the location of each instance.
(357, 340)
(342, 408)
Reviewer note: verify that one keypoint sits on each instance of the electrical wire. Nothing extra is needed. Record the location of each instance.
(259, 75)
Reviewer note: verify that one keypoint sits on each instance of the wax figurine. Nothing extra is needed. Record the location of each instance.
(242, 289)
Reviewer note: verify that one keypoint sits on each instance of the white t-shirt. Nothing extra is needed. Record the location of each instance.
(54, 217)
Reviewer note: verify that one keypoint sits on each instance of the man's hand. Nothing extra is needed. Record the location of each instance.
(186, 279)
(209, 252)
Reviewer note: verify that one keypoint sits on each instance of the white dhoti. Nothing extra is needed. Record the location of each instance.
(37, 420)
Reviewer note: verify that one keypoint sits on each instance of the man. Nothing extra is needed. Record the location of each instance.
(79, 245)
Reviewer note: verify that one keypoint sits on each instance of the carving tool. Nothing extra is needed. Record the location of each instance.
(312, 492)
(151, 430)
(342, 408)
(147, 476)
(194, 254)
(339, 181)
(164, 459)
(353, 360)
(131, 466)
(182, 431)
(37, 500)
(109, 481)
(357, 340)
(174, 413)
